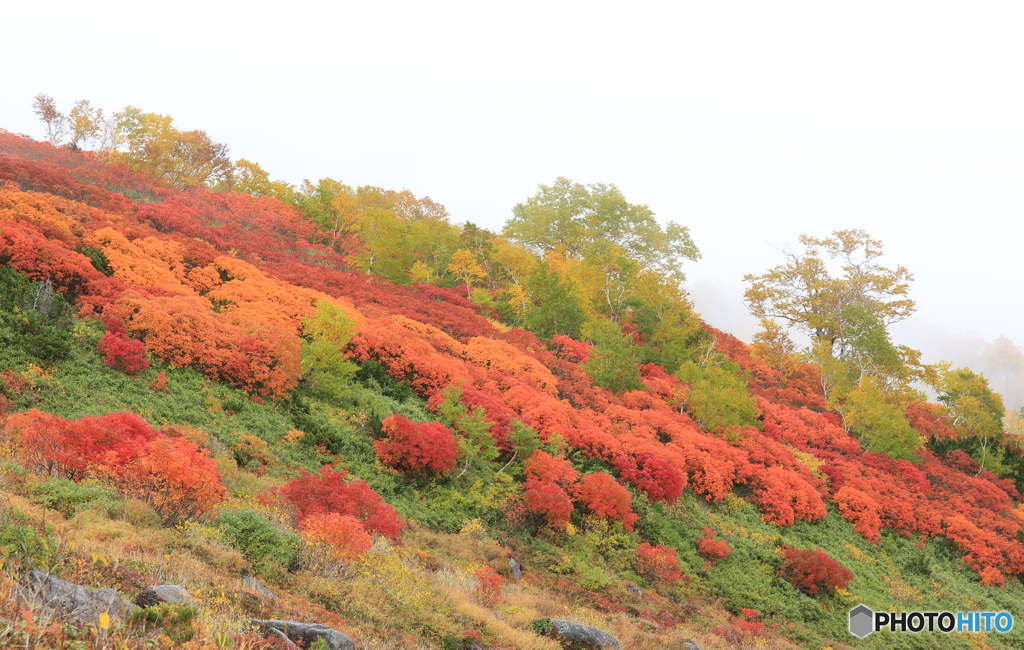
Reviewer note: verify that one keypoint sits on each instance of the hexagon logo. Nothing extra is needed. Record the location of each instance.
(862, 621)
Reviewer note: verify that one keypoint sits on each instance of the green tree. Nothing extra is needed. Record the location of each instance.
(596, 225)
(476, 446)
(879, 423)
(325, 333)
(554, 306)
(718, 397)
(974, 407)
(615, 361)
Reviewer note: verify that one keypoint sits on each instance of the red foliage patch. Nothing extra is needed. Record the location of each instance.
(599, 493)
(122, 353)
(425, 448)
(812, 570)
(711, 549)
(327, 491)
(659, 478)
(551, 502)
(488, 587)
(658, 564)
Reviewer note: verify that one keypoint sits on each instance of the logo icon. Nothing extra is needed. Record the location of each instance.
(862, 621)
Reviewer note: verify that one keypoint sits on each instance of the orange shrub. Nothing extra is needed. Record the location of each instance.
(176, 477)
(344, 534)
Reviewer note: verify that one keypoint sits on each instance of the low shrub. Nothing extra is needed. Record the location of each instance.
(67, 497)
(812, 570)
(262, 544)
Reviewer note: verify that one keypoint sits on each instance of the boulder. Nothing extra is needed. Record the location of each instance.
(589, 637)
(305, 633)
(636, 591)
(68, 602)
(156, 594)
(689, 645)
(251, 583)
(517, 569)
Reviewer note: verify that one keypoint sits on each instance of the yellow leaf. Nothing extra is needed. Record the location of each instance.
(104, 620)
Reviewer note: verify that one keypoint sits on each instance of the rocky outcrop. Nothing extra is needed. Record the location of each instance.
(516, 568)
(156, 594)
(636, 591)
(252, 584)
(305, 634)
(68, 602)
(588, 637)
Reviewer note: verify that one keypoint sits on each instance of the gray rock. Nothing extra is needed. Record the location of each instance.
(689, 645)
(68, 602)
(252, 583)
(636, 591)
(306, 633)
(156, 594)
(590, 637)
(517, 569)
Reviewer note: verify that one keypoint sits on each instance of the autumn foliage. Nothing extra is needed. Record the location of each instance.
(328, 492)
(343, 534)
(122, 352)
(488, 586)
(658, 564)
(812, 570)
(711, 549)
(604, 497)
(175, 476)
(425, 448)
(223, 282)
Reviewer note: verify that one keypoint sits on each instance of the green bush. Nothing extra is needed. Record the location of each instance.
(66, 496)
(22, 541)
(35, 321)
(267, 549)
(176, 621)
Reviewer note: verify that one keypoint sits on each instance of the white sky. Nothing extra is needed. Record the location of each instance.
(749, 122)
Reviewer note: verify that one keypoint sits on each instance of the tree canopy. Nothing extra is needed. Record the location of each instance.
(805, 293)
(580, 221)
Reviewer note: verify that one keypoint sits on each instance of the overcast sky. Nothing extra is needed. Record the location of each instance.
(749, 122)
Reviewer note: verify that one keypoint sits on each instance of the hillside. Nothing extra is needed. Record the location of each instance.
(372, 415)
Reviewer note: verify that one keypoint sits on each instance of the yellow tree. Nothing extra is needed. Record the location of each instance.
(465, 267)
(806, 294)
(178, 158)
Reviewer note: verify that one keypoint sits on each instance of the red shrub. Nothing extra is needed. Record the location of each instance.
(542, 467)
(488, 588)
(176, 477)
(784, 496)
(73, 449)
(550, 501)
(861, 511)
(426, 448)
(122, 352)
(812, 570)
(712, 549)
(159, 383)
(600, 494)
(658, 564)
(660, 479)
(571, 350)
(327, 491)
